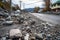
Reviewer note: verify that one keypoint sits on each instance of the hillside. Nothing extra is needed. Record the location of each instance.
(29, 9)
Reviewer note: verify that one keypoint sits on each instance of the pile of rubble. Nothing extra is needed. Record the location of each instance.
(38, 29)
(34, 29)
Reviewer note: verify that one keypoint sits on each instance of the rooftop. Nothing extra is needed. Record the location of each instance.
(57, 2)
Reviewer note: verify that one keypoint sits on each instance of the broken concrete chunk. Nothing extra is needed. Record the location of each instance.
(15, 33)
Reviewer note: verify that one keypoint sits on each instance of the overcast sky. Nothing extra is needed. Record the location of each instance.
(40, 3)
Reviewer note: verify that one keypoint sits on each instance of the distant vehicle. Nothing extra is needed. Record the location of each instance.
(1, 21)
(3, 14)
(40, 11)
(15, 13)
(18, 11)
(48, 12)
(51, 12)
(7, 22)
(9, 17)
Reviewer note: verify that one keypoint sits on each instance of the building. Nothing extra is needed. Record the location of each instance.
(56, 6)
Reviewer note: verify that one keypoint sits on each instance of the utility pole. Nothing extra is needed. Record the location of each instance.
(10, 7)
(23, 5)
(20, 5)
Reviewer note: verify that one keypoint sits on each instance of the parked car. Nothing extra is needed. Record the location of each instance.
(16, 13)
(1, 21)
(7, 22)
(3, 14)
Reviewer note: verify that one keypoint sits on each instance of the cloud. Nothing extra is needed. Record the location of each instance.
(40, 4)
(31, 3)
(16, 1)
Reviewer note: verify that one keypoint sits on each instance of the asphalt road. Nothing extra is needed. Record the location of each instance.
(55, 19)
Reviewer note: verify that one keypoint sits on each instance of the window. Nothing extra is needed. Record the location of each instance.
(58, 4)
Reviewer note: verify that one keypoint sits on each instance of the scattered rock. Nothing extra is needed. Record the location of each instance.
(15, 33)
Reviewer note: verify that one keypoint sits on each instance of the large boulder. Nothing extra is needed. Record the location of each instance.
(15, 33)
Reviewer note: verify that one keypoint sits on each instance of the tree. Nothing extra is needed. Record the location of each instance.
(36, 9)
(17, 7)
(5, 5)
(0, 0)
(1, 4)
(47, 8)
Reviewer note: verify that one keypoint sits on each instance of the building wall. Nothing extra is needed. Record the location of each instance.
(55, 8)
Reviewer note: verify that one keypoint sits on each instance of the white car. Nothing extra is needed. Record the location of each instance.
(15, 14)
(8, 22)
